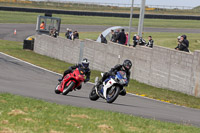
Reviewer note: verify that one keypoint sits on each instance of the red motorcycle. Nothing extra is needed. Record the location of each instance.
(70, 82)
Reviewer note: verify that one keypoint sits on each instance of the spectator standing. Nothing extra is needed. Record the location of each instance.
(103, 39)
(121, 38)
(185, 41)
(53, 32)
(117, 32)
(76, 35)
(126, 38)
(179, 42)
(139, 41)
(67, 33)
(73, 34)
(150, 43)
(113, 37)
(70, 34)
(42, 25)
(184, 44)
(134, 40)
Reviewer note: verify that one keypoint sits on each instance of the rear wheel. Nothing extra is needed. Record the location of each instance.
(93, 95)
(68, 88)
(112, 94)
(56, 89)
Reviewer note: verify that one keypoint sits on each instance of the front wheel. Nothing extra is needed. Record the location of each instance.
(112, 94)
(93, 95)
(68, 88)
(56, 89)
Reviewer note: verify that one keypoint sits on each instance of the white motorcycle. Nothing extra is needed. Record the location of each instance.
(111, 87)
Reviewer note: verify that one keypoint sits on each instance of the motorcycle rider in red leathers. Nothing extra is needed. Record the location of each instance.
(84, 66)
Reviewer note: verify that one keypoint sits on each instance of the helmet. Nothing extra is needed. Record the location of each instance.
(85, 63)
(179, 38)
(127, 64)
(184, 36)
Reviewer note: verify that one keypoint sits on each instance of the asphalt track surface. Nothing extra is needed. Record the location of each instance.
(24, 30)
(17, 77)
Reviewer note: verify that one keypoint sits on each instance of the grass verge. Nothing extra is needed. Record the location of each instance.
(20, 114)
(15, 49)
(23, 17)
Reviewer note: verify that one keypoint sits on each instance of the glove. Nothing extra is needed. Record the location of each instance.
(127, 84)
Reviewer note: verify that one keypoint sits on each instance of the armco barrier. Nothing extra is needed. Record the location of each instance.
(160, 67)
(103, 14)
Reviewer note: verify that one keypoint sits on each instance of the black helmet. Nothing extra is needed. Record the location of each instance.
(184, 36)
(127, 64)
(85, 63)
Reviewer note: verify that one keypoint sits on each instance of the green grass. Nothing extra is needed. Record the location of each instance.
(22, 17)
(160, 38)
(19, 114)
(15, 49)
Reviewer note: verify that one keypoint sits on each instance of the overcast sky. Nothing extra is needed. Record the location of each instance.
(192, 3)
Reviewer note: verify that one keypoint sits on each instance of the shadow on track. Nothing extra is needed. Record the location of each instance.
(104, 102)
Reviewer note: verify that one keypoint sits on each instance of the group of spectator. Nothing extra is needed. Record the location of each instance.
(119, 37)
(137, 40)
(183, 43)
(71, 35)
(122, 38)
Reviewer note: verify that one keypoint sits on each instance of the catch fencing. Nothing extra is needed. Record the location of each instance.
(159, 67)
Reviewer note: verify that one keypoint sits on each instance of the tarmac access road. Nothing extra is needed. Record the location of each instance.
(18, 77)
(25, 30)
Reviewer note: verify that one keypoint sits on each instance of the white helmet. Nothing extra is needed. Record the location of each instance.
(179, 37)
(85, 63)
